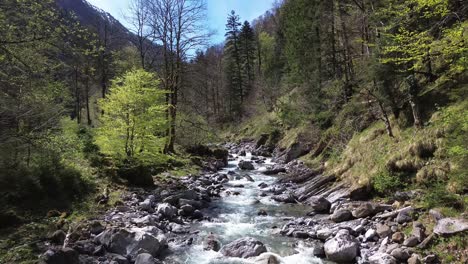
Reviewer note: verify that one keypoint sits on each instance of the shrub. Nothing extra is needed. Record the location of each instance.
(385, 183)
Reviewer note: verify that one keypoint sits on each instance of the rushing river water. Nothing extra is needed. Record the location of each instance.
(236, 217)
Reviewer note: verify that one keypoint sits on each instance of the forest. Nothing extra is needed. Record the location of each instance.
(323, 131)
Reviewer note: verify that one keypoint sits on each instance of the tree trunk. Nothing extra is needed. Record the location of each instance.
(413, 93)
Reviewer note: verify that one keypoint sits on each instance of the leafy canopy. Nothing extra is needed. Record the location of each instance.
(133, 125)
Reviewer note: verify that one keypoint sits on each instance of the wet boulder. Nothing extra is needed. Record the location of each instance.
(246, 165)
(364, 210)
(343, 248)
(244, 248)
(211, 243)
(319, 204)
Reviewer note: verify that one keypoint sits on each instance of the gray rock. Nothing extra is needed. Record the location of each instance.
(383, 230)
(414, 259)
(244, 248)
(431, 259)
(61, 256)
(382, 258)
(274, 170)
(370, 234)
(324, 233)
(341, 215)
(319, 204)
(405, 216)
(400, 254)
(364, 210)
(411, 241)
(211, 243)
(194, 203)
(146, 205)
(130, 241)
(187, 209)
(246, 165)
(167, 210)
(96, 227)
(342, 248)
(450, 226)
(144, 258)
(285, 198)
(436, 214)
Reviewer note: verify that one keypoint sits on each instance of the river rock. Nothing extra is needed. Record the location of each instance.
(383, 230)
(194, 203)
(145, 258)
(411, 241)
(319, 204)
(405, 216)
(167, 210)
(450, 226)
(341, 215)
(268, 258)
(263, 185)
(274, 170)
(130, 241)
(187, 210)
(146, 205)
(398, 237)
(401, 254)
(244, 248)
(364, 210)
(249, 178)
(61, 256)
(342, 248)
(211, 243)
(96, 227)
(382, 258)
(246, 165)
(370, 234)
(285, 198)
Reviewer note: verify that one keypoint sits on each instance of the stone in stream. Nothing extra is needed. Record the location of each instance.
(246, 165)
(450, 226)
(364, 210)
(249, 178)
(274, 170)
(263, 185)
(244, 248)
(343, 248)
(211, 243)
(285, 198)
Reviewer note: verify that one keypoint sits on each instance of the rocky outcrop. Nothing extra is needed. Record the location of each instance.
(244, 248)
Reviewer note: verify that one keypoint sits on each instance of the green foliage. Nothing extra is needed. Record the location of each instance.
(134, 124)
(386, 183)
(438, 196)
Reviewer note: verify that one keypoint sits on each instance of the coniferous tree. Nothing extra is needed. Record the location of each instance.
(247, 54)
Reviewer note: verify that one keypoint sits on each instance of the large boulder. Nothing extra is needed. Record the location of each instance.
(450, 226)
(319, 204)
(274, 170)
(405, 216)
(244, 248)
(343, 248)
(131, 241)
(246, 165)
(285, 198)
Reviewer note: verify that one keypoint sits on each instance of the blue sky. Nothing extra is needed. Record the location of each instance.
(218, 11)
